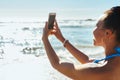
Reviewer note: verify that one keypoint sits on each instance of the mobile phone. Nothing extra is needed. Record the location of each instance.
(51, 20)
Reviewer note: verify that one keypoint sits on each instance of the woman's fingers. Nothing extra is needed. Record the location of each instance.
(56, 25)
(46, 25)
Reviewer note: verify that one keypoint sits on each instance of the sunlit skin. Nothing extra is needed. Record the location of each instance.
(102, 37)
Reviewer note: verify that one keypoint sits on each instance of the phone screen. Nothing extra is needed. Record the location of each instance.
(51, 20)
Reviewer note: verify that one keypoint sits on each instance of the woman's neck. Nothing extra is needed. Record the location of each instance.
(110, 46)
(110, 49)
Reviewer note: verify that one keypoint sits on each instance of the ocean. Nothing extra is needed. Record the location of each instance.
(22, 54)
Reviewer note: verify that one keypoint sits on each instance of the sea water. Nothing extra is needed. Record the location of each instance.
(22, 51)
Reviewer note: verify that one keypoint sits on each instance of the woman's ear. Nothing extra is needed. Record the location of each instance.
(108, 33)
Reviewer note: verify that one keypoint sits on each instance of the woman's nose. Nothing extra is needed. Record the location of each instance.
(94, 29)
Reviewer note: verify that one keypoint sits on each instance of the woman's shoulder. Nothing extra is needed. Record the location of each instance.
(94, 71)
(95, 67)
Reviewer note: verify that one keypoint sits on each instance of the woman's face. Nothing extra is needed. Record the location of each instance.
(99, 33)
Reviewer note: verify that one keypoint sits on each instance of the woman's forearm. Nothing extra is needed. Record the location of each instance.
(53, 58)
(80, 56)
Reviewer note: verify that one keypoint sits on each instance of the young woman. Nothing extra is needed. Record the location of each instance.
(107, 35)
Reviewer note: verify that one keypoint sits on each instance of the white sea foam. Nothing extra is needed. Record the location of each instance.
(40, 22)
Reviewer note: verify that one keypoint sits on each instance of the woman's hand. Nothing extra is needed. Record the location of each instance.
(46, 32)
(56, 31)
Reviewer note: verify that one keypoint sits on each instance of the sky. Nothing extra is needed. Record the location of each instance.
(63, 8)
